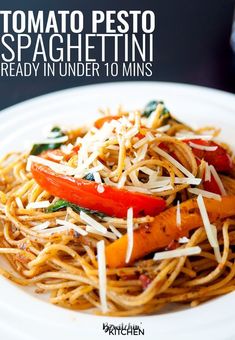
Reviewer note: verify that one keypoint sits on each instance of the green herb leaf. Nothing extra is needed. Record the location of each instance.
(165, 114)
(37, 149)
(89, 177)
(151, 107)
(61, 204)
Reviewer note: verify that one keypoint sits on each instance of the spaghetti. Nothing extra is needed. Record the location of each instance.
(74, 215)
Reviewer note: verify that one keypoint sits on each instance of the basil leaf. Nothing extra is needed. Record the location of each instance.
(37, 149)
(61, 204)
(165, 114)
(151, 107)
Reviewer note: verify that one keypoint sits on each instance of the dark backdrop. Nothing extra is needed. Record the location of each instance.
(192, 45)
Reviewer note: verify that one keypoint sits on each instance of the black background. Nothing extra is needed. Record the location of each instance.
(192, 45)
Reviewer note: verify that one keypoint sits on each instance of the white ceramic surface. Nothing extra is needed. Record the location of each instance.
(24, 315)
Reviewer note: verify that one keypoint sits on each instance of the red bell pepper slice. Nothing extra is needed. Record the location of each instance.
(113, 201)
(219, 158)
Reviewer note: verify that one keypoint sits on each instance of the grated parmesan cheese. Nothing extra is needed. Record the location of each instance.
(54, 230)
(84, 165)
(67, 148)
(130, 239)
(182, 180)
(102, 275)
(55, 157)
(72, 226)
(92, 222)
(141, 142)
(152, 184)
(150, 136)
(121, 182)
(113, 147)
(203, 147)
(164, 188)
(38, 205)
(133, 188)
(182, 136)
(210, 229)
(217, 254)
(148, 171)
(108, 234)
(204, 193)
(41, 226)
(19, 203)
(53, 134)
(206, 221)
(97, 177)
(183, 240)
(216, 248)
(115, 231)
(178, 215)
(58, 168)
(164, 128)
(177, 253)
(141, 153)
(153, 118)
(62, 139)
(207, 173)
(155, 183)
(134, 179)
(132, 132)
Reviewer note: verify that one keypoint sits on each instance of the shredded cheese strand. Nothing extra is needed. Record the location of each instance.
(176, 253)
(203, 147)
(92, 222)
(102, 275)
(173, 161)
(205, 193)
(178, 215)
(130, 226)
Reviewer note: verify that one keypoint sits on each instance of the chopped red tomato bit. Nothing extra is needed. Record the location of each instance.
(219, 158)
(145, 280)
(211, 185)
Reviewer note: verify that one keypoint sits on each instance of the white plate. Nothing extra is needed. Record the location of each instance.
(24, 315)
